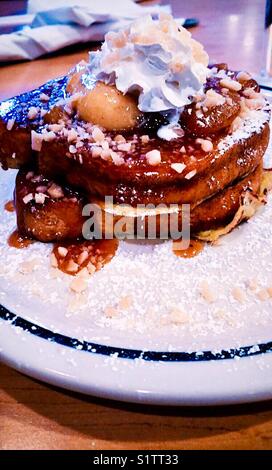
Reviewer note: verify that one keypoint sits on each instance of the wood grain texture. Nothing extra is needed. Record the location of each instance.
(37, 416)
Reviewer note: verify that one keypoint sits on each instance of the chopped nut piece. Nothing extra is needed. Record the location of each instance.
(269, 290)
(78, 284)
(153, 157)
(252, 284)
(32, 112)
(111, 312)
(44, 97)
(55, 191)
(36, 141)
(178, 317)
(62, 251)
(40, 198)
(206, 292)
(28, 198)
(230, 84)
(91, 268)
(190, 175)
(72, 267)
(263, 294)
(72, 135)
(243, 77)
(125, 302)
(116, 158)
(83, 257)
(206, 145)
(119, 138)
(98, 135)
(178, 167)
(238, 294)
(72, 149)
(53, 261)
(10, 124)
(96, 152)
(145, 139)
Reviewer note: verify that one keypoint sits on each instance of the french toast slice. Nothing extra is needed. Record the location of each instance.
(136, 182)
(22, 114)
(48, 212)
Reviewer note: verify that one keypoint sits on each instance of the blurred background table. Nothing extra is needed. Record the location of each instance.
(37, 416)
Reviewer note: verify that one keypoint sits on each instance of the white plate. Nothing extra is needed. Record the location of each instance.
(170, 346)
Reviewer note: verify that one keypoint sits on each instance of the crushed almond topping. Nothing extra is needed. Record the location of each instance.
(116, 158)
(236, 124)
(206, 145)
(40, 198)
(72, 149)
(49, 136)
(10, 124)
(252, 284)
(125, 147)
(72, 135)
(96, 152)
(98, 135)
(178, 317)
(182, 149)
(28, 198)
(125, 302)
(36, 141)
(53, 261)
(190, 175)
(91, 268)
(178, 167)
(78, 284)
(111, 312)
(44, 97)
(238, 294)
(212, 98)
(72, 267)
(55, 191)
(263, 295)
(145, 139)
(243, 77)
(62, 251)
(269, 290)
(206, 292)
(32, 113)
(153, 157)
(119, 138)
(105, 154)
(82, 257)
(231, 84)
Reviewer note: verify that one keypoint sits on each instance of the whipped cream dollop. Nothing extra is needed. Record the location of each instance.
(158, 59)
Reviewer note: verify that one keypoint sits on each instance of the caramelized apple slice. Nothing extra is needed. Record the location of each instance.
(103, 104)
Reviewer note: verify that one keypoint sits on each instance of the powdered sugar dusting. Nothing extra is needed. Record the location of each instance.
(147, 297)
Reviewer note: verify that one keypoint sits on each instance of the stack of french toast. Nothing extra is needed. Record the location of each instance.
(75, 144)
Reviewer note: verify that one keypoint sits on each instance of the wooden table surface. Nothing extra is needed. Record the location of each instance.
(37, 416)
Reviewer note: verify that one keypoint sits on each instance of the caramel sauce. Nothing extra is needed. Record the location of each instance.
(16, 241)
(9, 206)
(193, 250)
(84, 254)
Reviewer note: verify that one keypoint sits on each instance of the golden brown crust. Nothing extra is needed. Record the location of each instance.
(61, 219)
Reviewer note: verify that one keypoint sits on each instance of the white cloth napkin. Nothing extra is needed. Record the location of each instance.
(58, 23)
